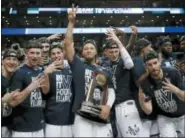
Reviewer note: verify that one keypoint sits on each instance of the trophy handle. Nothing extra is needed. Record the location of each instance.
(89, 90)
(105, 96)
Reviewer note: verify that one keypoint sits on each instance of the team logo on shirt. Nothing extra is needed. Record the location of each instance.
(165, 100)
(113, 76)
(63, 88)
(35, 97)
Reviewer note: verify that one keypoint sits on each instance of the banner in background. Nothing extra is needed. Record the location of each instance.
(97, 30)
(102, 10)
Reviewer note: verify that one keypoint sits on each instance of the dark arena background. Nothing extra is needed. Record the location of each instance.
(30, 19)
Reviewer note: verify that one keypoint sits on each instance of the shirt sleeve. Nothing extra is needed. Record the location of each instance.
(127, 60)
(77, 65)
(78, 72)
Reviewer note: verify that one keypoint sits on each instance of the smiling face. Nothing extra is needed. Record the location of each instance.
(10, 64)
(89, 52)
(56, 53)
(33, 56)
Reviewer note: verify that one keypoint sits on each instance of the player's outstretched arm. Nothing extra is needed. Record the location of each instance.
(68, 46)
(18, 97)
(132, 39)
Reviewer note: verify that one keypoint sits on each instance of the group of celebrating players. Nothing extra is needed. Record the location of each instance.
(41, 95)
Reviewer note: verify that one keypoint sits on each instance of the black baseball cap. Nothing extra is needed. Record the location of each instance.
(150, 55)
(112, 45)
(164, 40)
(10, 53)
(141, 43)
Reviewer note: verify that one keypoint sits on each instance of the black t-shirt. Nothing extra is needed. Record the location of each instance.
(58, 110)
(121, 81)
(137, 72)
(27, 116)
(82, 74)
(168, 61)
(6, 110)
(106, 64)
(166, 103)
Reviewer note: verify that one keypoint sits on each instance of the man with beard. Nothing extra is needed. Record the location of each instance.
(58, 111)
(28, 117)
(142, 46)
(83, 74)
(165, 47)
(162, 92)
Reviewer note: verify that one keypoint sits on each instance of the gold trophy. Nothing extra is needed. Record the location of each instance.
(96, 95)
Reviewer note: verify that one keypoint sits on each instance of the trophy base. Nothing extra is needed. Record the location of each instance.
(91, 112)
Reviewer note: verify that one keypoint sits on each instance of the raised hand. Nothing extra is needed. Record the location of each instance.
(36, 83)
(54, 36)
(118, 31)
(72, 14)
(169, 86)
(58, 64)
(141, 95)
(134, 29)
(112, 36)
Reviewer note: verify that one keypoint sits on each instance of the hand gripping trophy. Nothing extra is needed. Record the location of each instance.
(96, 95)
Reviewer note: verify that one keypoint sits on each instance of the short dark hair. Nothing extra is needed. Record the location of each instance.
(150, 55)
(91, 41)
(110, 45)
(140, 44)
(53, 47)
(33, 44)
(43, 40)
(162, 40)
